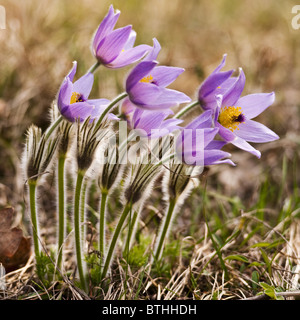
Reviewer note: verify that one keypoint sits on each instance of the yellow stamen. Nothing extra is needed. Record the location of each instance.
(76, 97)
(229, 117)
(147, 79)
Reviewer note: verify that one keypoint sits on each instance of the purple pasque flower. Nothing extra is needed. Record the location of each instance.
(115, 48)
(151, 124)
(234, 114)
(196, 145)
(146, 86)
(73, 102)
(218, 82)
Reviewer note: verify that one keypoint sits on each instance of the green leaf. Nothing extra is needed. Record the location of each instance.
(237, 257)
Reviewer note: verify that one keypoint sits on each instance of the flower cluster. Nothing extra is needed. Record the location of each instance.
(147, 106)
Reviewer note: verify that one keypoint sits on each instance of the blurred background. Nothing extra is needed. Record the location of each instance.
(42, 38)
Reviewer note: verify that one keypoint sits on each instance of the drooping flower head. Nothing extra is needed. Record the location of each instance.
(151, 124)
(218, 82)
(196, 145)
(233, 116)
(146, 86)
(115, 48)
(73, 102)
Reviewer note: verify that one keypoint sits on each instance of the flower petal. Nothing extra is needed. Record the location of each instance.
(77, 110)
(254, 104)
(215, 157)
(244, 145)
(111, 46)
(65, 93)
(105, 27)
(129, 56)
(72, 72)
(202, 121)
(84, 85)
(138, 72)
(163, 76)
(152, 55)
(233, 94)
(253, 131)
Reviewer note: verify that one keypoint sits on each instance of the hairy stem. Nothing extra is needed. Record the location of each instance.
(114, 239)
(165, 228)
(104, 195)
(109, 108)
(95, 66)
(77, 229)
(53, 127)
(61, 207)
(34, 220)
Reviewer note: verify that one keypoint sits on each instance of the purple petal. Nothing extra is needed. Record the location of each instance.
(138, 72)
(212, 157)
(72, 72)
(222, 64)
(254, 104)
(111, 46)
(152, 55)
(233, 94)
(65, 93)
(244, 145)
(163, 76)
(216, 144)
(105, 27)
(253, 131)
(212, 82)
(225, 133)
(130, 41)
(84, 85)
(77, 110)
(202, 121)
(129, 56)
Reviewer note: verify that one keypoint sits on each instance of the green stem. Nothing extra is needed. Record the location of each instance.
(61, 206)
(164, 229)
(104, 195)
(109, 108)
(53, 126)
(131, 228)
(95, 66)
(34, 220)
(82, 211)
(180, 113)
(114, 239)
(77, 229)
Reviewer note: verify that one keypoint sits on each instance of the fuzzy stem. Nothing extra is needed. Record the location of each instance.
(131, 228)
(164, 229)
(34, 220)
(77, 229)
(180, 113)
(82, 211)
(61, 206)
(53, 127)
(109, 108)
(104, 195)
(114, 239)
(95, 66)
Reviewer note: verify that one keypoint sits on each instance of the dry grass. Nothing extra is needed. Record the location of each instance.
(235, 209)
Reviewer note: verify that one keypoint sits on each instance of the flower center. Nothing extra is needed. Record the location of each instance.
(231, 117)
(76, 97)
(148, 79)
